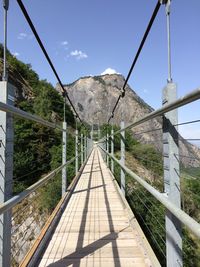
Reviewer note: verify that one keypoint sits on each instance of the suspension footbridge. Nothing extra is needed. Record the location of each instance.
(94, 222)
(95, 228)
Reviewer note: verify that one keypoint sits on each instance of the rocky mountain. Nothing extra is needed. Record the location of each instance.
(95, 97)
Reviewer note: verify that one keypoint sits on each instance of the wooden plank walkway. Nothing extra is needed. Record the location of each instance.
(94, 229)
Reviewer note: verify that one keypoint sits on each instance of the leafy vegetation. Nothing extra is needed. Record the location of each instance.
(190, 186)
(37, 149)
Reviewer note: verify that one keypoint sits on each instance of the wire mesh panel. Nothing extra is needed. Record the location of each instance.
(151, 217)
(145, 157)
(190, 188)
(117, 171)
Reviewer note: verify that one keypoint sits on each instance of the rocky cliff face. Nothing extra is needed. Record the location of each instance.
(95, 97)
(27, 222)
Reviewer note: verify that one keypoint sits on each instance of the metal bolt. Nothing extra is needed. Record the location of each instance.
(163, 2)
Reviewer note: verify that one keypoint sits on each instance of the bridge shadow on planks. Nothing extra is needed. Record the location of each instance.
(81, 252)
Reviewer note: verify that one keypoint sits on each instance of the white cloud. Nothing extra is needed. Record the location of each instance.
(78, 54)
(109, 71)
(23, 35)
(64, 43)
(15, 54)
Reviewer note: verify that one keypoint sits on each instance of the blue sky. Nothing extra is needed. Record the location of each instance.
(86, 37)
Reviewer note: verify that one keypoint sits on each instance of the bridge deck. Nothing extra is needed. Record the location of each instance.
(94, 229)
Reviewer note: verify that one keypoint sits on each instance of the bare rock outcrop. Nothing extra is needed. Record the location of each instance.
(95, 97)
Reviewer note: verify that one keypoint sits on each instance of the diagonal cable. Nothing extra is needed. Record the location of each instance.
(24, 11)
(137, 55)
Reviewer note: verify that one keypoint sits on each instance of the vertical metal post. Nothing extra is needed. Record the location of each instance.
(172, 179)
(7, 92)
(91, 133)
(171, 164)
(168, 6)
(5, 6)
(85, 147)
(112, 149)
(107, 149)
(122, 160)
(99, 133)
(76, 150)
(81, 149)
(90, 143)
(64, 158)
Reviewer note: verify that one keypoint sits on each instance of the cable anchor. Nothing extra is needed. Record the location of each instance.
(123, 93)
(6, 4)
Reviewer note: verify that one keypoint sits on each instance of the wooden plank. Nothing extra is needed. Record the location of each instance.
(94, 229)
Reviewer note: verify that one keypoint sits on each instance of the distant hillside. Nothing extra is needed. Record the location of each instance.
(95, 97)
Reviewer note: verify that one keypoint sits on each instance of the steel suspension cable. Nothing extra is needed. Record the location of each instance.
(65, 94)
(137, 55)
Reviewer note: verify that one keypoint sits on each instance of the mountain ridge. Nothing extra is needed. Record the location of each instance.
(94, 98)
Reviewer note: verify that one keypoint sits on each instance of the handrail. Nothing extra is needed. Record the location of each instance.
(183, 217)
(29, 116)
(16, 199)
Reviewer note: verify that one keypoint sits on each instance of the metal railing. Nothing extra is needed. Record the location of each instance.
(162, 198)
(25, 214)
(19, 213)
(154, 194)
(21, 196)
(23, 114)
(32, 208)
